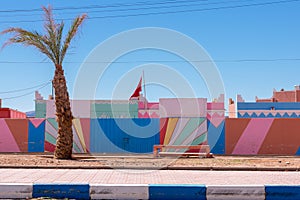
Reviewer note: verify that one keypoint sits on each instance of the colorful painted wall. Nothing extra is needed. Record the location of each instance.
(183, 131)
(22, 135)
(134, 127)
(181, 125)
(257, 136)
(193, 131)
(90, 109)
(260, 136)
(81, 135)
(216, 127)
(89, 135)
(148, 110)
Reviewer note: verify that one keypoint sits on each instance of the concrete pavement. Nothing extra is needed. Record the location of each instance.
(93, 176)
(147, 184)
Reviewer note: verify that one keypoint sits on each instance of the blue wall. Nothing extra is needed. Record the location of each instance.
(124, 135)
(216, 137)
(36, 137)
(268, 105)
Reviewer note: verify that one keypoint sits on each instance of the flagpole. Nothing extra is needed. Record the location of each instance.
(144, 89)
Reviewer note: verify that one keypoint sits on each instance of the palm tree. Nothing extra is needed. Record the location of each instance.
(55, 48)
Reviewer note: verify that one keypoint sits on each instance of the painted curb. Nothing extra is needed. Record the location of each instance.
(232, 192)
(15, 190)
(286, 192)
(162, 192)
(148, 191)
(124, 191)
(60, 191)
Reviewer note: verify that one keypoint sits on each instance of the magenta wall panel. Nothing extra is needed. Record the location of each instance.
(8, 142)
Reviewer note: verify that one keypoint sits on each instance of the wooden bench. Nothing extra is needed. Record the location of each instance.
(203, 150)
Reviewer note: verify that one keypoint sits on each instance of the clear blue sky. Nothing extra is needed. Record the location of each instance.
(256, 48)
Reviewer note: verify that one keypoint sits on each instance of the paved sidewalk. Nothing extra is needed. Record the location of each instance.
(147, 184)
(93, 176)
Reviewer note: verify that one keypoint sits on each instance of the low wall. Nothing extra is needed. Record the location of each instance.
(22, 135)
(261, 136)
(89, 135)
(256, 136)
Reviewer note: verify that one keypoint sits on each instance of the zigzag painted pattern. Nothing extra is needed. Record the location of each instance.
(269, 114)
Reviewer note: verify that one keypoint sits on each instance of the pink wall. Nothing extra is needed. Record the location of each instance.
(261, 136)
(148, 110)
(80, 108)
(183, 107)
(10, 113)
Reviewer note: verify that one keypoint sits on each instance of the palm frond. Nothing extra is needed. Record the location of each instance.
(51, 30)
(71, 33)
(51, 42)
(28, 38)
(59, 35)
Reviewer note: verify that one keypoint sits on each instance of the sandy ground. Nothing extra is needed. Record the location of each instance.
(148, 161)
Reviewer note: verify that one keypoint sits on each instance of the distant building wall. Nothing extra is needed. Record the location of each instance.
(80, 108)
(10, 113)
(183, 107)
(268, 110)
(114, 109)
(40, 108)
(148, 110)
(283, 96)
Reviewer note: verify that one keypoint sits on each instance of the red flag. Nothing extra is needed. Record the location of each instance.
(136, 93)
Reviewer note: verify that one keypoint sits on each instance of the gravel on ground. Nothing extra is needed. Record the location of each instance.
(147, 161)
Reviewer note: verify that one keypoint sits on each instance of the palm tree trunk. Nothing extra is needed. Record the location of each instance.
(64, 141)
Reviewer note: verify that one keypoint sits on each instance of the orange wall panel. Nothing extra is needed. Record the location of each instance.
(234, 128)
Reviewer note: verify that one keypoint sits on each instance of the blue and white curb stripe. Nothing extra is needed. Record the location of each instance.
(15, 190)
(114, 191)
(148, 191)
(232, 192)
(60, 191)
(177, 192)
(288, 192)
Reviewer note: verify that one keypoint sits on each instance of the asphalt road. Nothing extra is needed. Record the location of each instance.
(94, 176)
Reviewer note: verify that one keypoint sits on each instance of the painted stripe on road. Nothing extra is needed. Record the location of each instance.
(232, 192)
(76, 191)
(164, 192)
